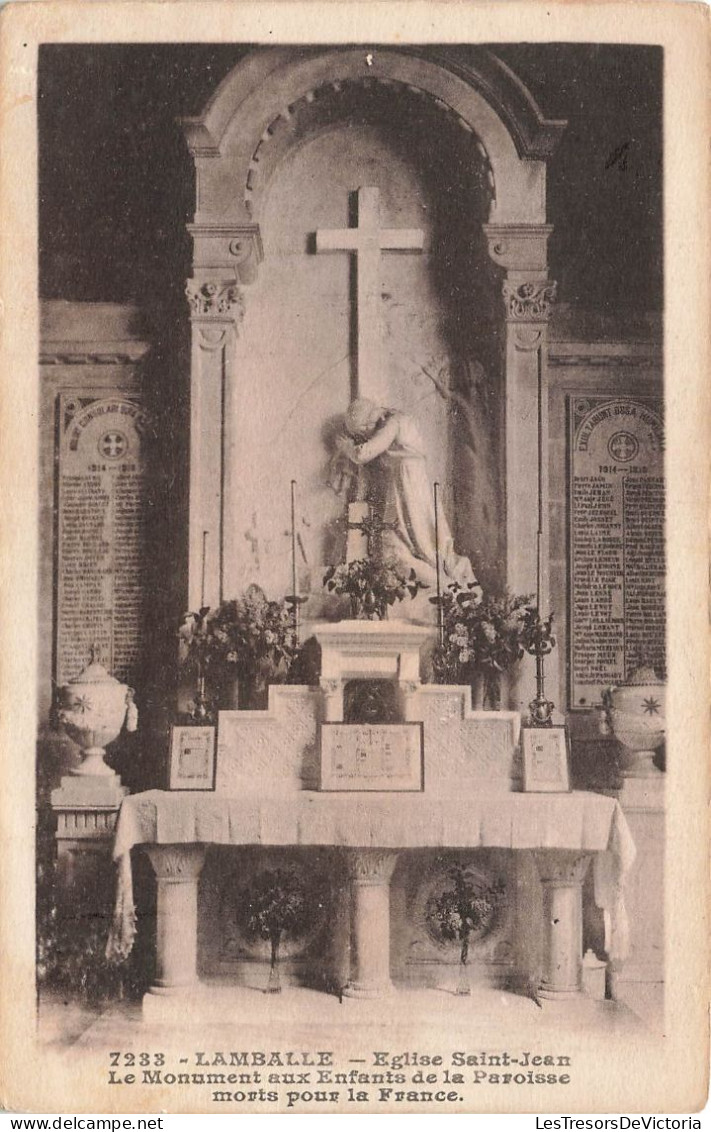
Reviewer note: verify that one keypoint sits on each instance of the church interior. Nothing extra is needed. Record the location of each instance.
(355, 353)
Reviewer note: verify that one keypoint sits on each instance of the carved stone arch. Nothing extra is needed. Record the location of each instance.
(256, 110)
(337, 101)
(263, 88)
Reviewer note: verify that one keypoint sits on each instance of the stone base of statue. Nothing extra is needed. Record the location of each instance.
(86, 809)
(89, 792)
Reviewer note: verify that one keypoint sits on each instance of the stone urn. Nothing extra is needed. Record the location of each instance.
(92, 709)
(634, 713)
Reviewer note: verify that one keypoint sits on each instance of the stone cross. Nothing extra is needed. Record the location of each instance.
(366, 242)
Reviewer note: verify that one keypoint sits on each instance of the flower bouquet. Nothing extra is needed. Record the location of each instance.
(482, 636)
(372, 586)
(249, 639)
(465, 908)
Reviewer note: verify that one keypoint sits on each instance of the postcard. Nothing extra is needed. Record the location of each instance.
(355, 557)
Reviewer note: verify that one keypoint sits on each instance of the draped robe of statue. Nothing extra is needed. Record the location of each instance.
(401, 489)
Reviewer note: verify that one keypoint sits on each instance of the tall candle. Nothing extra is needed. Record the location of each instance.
(293, 558)
(539, 534)
(440, 620)
(202, 574)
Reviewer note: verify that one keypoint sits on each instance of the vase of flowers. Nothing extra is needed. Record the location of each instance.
(481, 639)
(248, 641)
(372, 586)
(466, 907)
(277, 903)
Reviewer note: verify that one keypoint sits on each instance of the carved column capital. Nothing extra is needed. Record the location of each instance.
(177, 864)
(561, 868)
(371, 867)
(330, 687)
(332, 692)
(529, 300)
(210, 300)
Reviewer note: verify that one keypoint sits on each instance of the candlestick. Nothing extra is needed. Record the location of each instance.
(295, 596)
(539, 539)
(202, 575)
(540, 708)
(440, 620)
(539, 567)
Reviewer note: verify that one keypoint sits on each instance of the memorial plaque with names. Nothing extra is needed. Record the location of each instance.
(100, 533)
(371, 756)
(616, 557)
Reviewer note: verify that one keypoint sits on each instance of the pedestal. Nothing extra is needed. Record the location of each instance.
(367, 650)
(643, 793)
(562, 873)
(86, 808)
(177, 869)
(370, 872)
(89, 792)
(640, 985)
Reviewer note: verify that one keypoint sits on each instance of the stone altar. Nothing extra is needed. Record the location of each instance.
(269, 752)
(267, 771)
(562, 832)
(267, 762)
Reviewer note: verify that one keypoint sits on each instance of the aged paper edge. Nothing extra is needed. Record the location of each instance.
(670, 1076)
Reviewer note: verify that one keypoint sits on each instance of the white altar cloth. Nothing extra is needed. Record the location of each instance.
(582, 821)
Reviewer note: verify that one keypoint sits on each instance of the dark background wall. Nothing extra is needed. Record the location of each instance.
(116, 190)
(116, 181)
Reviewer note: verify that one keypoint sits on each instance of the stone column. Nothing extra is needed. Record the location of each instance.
(224, 257)
(177, 869)
(409, 700)
(528, 295)
(370, 872)
(332, 692)
(562, 872)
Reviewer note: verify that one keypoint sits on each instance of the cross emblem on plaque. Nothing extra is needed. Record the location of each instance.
(113, 445)
(623, 446)
(366, 242)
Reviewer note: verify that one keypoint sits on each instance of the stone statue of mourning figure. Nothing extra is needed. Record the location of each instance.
(381, 458)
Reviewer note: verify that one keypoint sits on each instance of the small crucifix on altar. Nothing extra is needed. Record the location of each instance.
(365, 528)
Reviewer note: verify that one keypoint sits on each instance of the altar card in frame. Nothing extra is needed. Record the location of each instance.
(372, 756)
(192, 758)
(546, 762)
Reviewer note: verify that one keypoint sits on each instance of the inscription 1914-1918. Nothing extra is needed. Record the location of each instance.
(616, 491)
(100, 533)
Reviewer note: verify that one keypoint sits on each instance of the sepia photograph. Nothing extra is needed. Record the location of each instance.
(353, 542)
